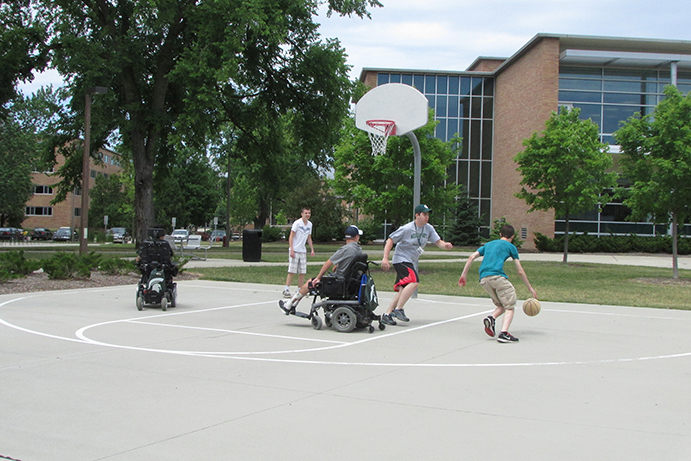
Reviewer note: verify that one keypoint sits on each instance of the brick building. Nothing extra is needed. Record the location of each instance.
(498, 102)
(39, 212)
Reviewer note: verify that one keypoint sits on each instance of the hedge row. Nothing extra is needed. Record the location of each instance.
(584, 243)
(61, 265)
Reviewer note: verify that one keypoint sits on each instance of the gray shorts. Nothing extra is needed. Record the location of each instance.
(501, 291)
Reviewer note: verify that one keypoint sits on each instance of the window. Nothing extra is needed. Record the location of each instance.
(39, 211)
(77, 212)
(43, 190)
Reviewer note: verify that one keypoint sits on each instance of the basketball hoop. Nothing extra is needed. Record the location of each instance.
(383, 129)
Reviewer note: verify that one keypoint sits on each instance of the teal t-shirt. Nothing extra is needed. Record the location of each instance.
(494, 254)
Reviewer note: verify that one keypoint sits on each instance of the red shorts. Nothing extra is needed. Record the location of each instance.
(405, 274)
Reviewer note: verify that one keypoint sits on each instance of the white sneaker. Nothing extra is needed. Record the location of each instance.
(286, 293)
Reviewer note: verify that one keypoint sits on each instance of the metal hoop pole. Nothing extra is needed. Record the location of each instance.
(418, 169)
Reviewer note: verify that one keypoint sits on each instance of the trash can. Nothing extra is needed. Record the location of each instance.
(252, 245)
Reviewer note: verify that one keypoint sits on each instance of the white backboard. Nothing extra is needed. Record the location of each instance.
(398, 102)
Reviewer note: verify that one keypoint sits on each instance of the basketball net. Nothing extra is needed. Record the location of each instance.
(384, 129)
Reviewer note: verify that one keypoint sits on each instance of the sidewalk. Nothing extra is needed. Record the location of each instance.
(661, 260)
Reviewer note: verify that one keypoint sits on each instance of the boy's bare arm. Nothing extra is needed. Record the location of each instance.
(524, 277)
(464, 276)
(385, 259)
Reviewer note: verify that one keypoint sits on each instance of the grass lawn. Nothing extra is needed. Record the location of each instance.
(554, 281)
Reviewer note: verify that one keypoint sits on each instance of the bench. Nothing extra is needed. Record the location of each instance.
(193, 244)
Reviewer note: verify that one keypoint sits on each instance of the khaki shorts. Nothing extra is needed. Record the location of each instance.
(501, 291)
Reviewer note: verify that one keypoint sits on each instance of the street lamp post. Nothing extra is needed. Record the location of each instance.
(84, 215)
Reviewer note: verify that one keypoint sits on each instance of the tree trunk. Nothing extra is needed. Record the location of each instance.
(142, 157)
(261, 217)
(566, 241)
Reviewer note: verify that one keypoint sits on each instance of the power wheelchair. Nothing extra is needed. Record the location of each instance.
(156, 286)
(348, 302)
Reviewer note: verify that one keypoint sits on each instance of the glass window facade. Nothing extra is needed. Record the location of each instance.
(608, 97)
(464, 108)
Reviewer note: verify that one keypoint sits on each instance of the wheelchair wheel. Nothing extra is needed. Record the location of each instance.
(327, 319)
(140, 300)
(344, 319)
(316, 322)
(164, 303)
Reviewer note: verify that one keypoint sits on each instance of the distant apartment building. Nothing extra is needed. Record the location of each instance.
(40, 212)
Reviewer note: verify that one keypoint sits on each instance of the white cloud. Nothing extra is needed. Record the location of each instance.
(450, 34)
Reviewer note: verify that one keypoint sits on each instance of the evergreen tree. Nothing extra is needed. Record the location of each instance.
(465, 230)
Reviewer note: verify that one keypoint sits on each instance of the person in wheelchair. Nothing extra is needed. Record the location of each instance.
(156, 251)
(341, 260)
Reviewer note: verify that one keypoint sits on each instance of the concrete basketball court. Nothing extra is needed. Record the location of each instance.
(225, 375)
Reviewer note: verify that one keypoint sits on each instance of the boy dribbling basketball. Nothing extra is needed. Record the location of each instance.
(496, 283)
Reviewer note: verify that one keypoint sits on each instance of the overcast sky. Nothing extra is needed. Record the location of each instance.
(450, 34)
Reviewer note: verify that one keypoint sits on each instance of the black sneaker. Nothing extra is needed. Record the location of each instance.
(506, 337)
(386, 319)
(489, 325)
(285, 310)
(400, 315)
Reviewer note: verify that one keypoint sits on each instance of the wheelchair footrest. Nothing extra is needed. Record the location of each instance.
(302, 314)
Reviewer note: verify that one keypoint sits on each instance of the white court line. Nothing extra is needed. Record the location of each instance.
(221, 330)
(237, 356)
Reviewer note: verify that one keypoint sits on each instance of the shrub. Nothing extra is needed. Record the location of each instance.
(67, 266)
(271, 234)
(371, 230)
(584, 243)
(14, 264)
(116, 266)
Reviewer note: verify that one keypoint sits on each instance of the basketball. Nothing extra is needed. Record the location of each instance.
(531, 307)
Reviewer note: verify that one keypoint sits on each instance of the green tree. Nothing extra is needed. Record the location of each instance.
(109, 198)
(465, 229)
(565, 167)
(328, 213)
(382, 185)
(243, 201)
(656, 160)
(22, 46)
(187, 188)
(20, 136)
(178, 70)
(15, 172)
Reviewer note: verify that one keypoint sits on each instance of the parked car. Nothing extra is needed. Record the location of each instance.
(180, 234)
(41, 233)
(6, 233)
(119, 235)
(217, 235)
(64, 234)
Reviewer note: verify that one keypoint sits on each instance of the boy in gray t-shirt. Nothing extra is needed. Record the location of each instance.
(410, 241)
